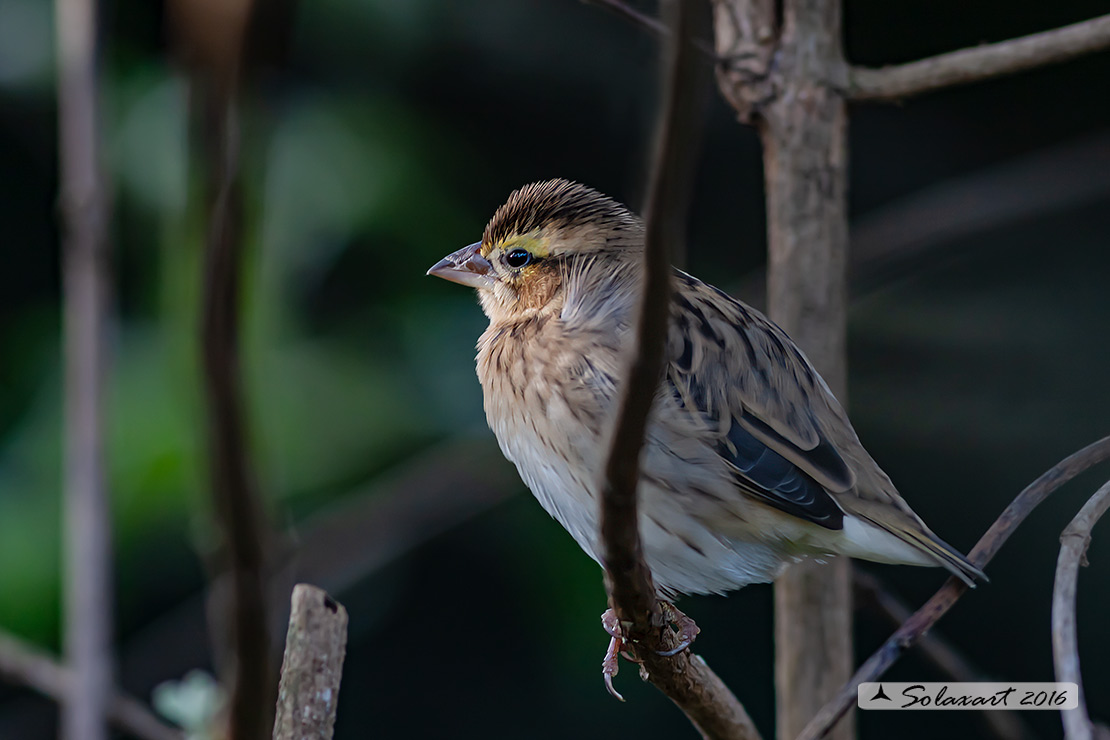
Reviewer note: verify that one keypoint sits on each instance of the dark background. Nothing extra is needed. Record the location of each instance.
(384, 139)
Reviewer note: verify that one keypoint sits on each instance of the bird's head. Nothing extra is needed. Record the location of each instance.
(546, 236)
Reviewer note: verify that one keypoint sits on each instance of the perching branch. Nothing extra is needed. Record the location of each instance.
(23, 665)
(88, 540)
(631, 589)
(686, 680)
(943, 600)
(313, 666)
(979, 63)
(1065, 640)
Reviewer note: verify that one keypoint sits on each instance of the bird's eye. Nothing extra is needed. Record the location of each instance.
(518, 258)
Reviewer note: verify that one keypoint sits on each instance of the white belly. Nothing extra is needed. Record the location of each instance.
(683, 553)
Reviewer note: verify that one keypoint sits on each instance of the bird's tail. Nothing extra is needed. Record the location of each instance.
(913, 532)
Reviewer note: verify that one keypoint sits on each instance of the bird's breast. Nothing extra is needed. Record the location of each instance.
(549, 402)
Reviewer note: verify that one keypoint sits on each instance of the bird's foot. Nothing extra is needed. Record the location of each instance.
(687, 629)
(610, 665)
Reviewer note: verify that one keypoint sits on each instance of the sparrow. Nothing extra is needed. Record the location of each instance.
(749, 462)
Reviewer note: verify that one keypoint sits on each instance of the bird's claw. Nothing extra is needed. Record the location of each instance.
(611, 624)
(611, 664)
(687, 629)
(686, 632)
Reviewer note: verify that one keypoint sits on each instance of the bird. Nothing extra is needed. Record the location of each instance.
(749, 462)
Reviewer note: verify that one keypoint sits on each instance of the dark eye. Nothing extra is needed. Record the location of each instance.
(518, 258)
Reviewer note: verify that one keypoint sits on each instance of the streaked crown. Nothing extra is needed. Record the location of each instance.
(555, 205)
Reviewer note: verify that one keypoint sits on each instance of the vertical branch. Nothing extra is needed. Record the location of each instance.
(235, 497)
(211, 39)
(1074, 541)
(211, 36)
(804, 133)
(88, 588)
(313, 666)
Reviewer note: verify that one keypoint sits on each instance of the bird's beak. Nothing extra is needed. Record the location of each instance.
(466, 267)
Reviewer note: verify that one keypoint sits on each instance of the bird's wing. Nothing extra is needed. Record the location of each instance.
(772, 418)
(776, 424)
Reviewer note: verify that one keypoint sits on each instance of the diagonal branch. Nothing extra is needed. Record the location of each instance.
(979, 63)
(1065, 641)
(869, 590)
(23, 665)
(651, 24)
(943, 600)
(630, 14)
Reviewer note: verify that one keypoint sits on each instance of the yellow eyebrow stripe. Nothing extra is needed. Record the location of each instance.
(533, 242)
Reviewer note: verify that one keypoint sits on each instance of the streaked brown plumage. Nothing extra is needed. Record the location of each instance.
(749, 461)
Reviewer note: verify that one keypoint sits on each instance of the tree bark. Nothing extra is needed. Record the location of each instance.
(87, 539)
(1074, 541)
(315, 647)
(804, 133)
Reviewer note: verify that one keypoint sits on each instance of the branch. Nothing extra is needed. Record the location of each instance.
(1065, 640)
(687, 681)
(652, 25)
(313, 667)
(892, 239)
(635, 17)
(211, 40)
(23, 665)
(871, 591)
(936, 607)
(631, 589)
(88, 540)
(235, 498)
(979, 63)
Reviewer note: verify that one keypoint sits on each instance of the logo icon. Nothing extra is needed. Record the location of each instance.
(880, 694)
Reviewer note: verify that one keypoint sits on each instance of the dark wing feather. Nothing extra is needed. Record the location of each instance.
(778, 481)
(757, 391)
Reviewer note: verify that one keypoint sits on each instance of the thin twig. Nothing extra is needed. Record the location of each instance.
(1065, 639)
(891, 240)
(870, 591)
(88, 540)
(979, 63)
(315, 647)
(936, 607)
(652, 25)
(24, 665)
(687, 681)
(626, 11)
